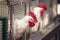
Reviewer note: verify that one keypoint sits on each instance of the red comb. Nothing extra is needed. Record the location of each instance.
(42, 6)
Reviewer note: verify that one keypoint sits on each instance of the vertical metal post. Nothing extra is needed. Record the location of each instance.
(29, 5)
(29, 27)
(38, 27)
(25, 8)
(11, 22)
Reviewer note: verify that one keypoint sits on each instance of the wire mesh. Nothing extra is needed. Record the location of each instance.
(0, 30)
(4, 13)
(19, 10)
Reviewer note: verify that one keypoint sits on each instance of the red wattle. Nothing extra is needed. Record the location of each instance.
(33, 16)
(31, 24)
(41, 13)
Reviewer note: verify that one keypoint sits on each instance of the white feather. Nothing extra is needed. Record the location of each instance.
(20, 25)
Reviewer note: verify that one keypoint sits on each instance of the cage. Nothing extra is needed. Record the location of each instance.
(17, 9)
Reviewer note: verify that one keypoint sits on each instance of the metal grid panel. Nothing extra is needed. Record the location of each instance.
(3, 9)
(18, 11)
(4, 13)
(0, 30)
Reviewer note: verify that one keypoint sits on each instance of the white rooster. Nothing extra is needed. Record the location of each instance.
(31, 20)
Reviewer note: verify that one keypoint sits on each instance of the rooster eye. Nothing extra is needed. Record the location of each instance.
(30, 19)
